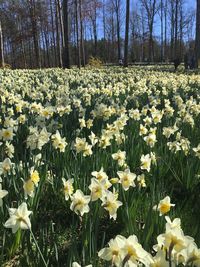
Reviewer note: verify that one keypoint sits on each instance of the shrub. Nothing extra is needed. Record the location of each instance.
(95, 62)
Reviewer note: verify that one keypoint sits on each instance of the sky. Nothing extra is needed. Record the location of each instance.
(188, 5)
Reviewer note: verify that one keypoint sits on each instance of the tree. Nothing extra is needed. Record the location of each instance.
(197, 41)
(66, 58)
(165, 34)
(82, 35)
(161, 25)
(151, 7)
(32, 9)
(93, 6)
(59, 31)
(126, 33)
(77, 36)
(1, 48)
(117, 10)
(33, 31)
(176, 30)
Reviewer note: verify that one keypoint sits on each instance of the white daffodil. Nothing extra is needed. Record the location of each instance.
(100, 175)
(111, 204)
(68, 187)
(3, 193)
(6, 166)
(126, 179)
(97, 189)
(75, 264)
(19, 218)
(145, 162)
(164, 206)
(120, 157)
(80, 203)
(114, 250)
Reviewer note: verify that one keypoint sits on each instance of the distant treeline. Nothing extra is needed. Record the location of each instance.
(60, 33)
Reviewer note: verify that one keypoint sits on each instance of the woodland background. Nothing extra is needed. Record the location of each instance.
(61, 33)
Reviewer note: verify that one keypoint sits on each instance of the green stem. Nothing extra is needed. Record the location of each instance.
(36, 243)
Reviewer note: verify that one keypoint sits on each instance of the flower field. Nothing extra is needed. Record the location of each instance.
(99, 167)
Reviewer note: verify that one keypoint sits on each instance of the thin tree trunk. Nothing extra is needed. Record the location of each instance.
(47, 48)
(35, 33)
(13, 49)
(60, 14)
(197, 41)
(118, 35)
(176, 31)
(151, 42)
(95, 36)
(82, 34)
(66, 58)
(181, 31)
(104, 31)
(44, 51)
(111, 55)
(165, 46)
(77, 35)
(143, 39)
(1, 48)
(53, 33)
(172, 30)
(30, 55)
(126, 33)
(161, 18)
(58, 30)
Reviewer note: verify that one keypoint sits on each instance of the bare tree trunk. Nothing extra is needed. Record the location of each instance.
(95, 35)
(43, 57)
(176, 31)
(151, 42)
(197, 41)
(58, 31)
(82, 34)
(104, 32)
(112, 57)
(53, 33)
(118, 31)
(30, 55)
(1, 48)
(165, 45)
(23, 52)
(126, 33)
(181, 31)
(47, 48)
(151, 8)
(142, 58)
(60, 14)
(35, 33)
(13, 49)
(77, 35)
(93, 17)
(66, 59)
(161, 19)
(172, 30)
